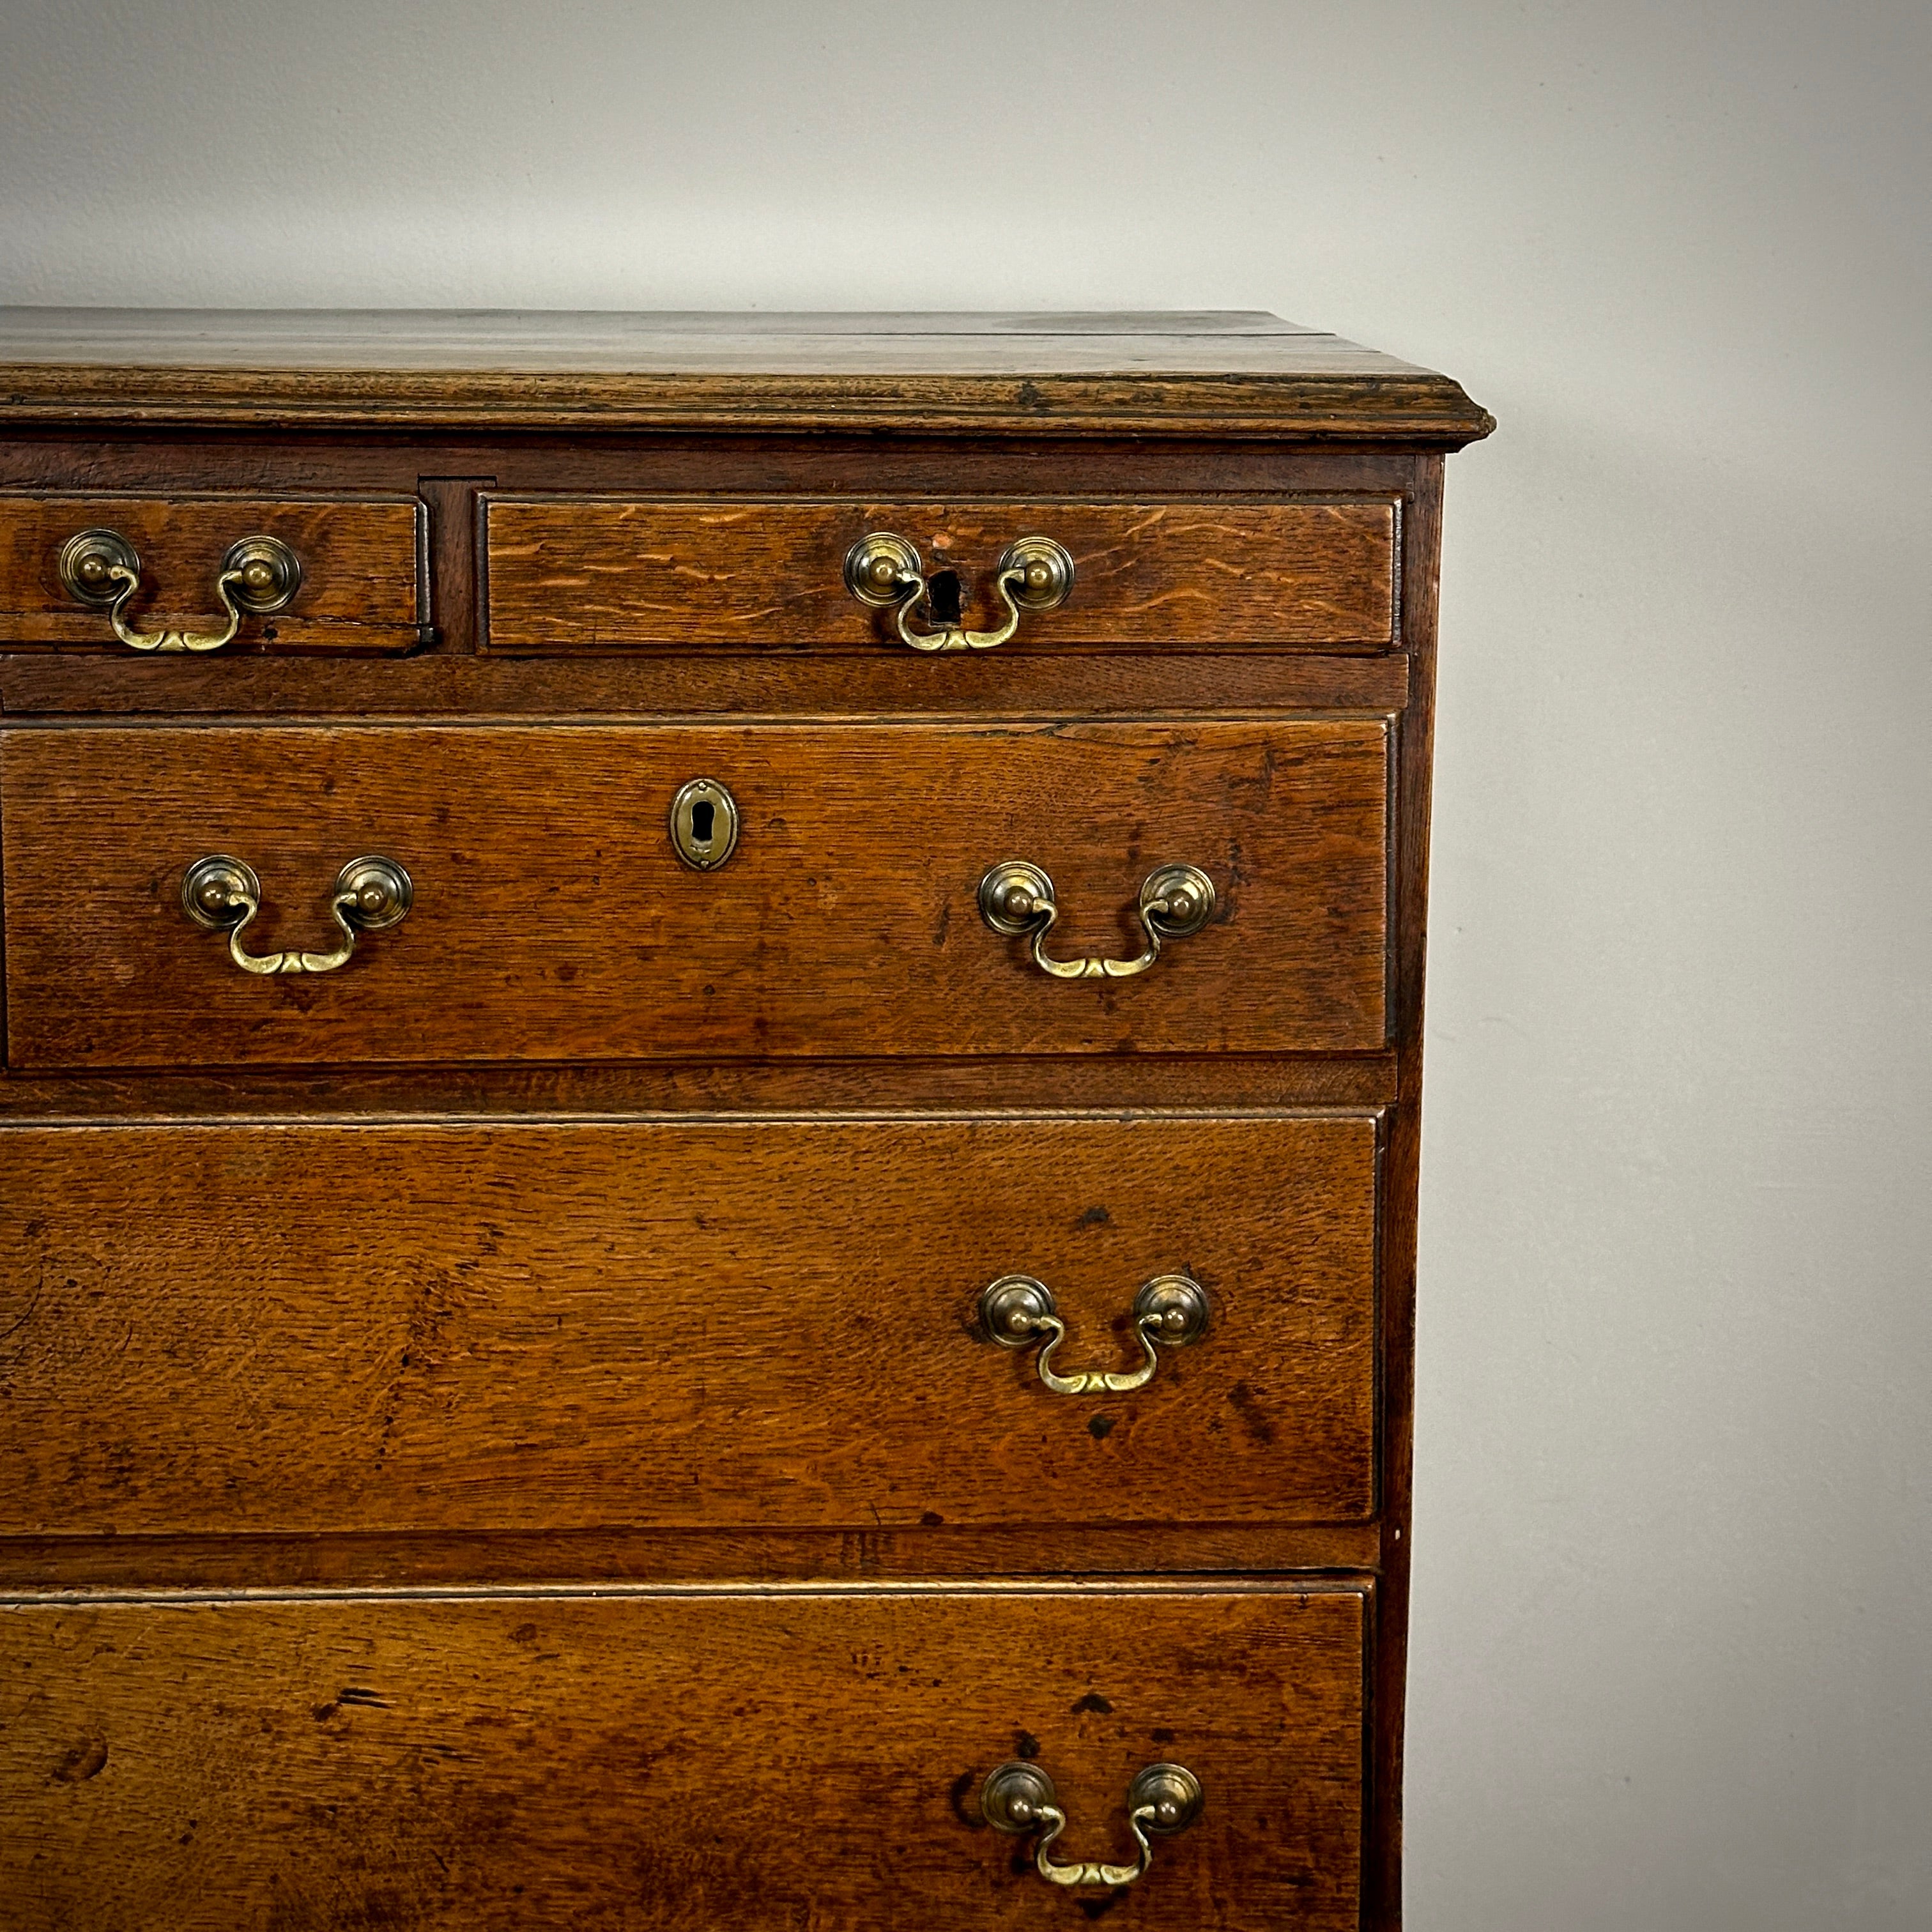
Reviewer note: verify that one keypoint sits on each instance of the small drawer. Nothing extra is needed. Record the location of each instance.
(335, 574)
(632, 574)
(816, 1324)
(761, 1762)
(554, 919)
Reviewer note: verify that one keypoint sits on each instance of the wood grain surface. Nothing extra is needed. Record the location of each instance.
(591, 574)
(552, 921)
(913, 466)
(1192, 374)
(268, 1330)
(1031, 685)
(393, 1276)
(704, 1761)
(920, 1552)
(362, 587)
(1065, 1081)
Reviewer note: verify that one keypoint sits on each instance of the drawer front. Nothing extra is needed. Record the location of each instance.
(593, 573)
(767, 1762)
(363, 586)
(553, 920)
(702, 1324)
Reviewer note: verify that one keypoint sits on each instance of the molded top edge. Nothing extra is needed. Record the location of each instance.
(1240, 372)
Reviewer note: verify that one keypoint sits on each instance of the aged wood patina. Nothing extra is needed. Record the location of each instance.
(708, 1165)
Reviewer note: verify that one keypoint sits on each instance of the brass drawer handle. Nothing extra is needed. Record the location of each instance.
(1019, 1797)
(1033, 574)
(371, 894)
(1016, 1311)
(258, 576)
(1016, 900)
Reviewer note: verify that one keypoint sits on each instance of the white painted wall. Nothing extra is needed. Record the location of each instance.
(1674, 1553)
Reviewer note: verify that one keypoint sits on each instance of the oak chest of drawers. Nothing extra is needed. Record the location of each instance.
(708, 1148)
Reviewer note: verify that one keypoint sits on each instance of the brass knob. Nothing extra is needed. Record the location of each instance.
(1019, 1798)
(1170, 1311)
(270, 575)
(880, 569)
(1043, 570)
(93, 565)
(223, 894)
(1014, 1796)
(258, 576)
(1016, 899)
(1033, 574)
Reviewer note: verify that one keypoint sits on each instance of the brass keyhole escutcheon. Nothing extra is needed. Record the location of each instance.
(704, 824)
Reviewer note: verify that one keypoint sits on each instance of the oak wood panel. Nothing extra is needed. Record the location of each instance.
(1423, 534)
(713, 684)
(552, 921)
(449, 506)
(527, 1327)
(589, 574)
(1144, 408)
(1144, 374)
(762, 1762)
(633, 463)
(363, 587)
(111, 1564)
(1193, 1081)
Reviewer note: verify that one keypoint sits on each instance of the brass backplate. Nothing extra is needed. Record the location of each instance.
(1014, 1795)
(1012, 1309)
(1172, 1791)
(1013, 896)
(270, 573)
(881, 568)
(1177, 900)
(86, 562)
(381, 892)
(1045, 569)
(217, 891)
(1174, 1308)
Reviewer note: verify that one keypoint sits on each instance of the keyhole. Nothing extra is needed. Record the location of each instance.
(942, 596)
(704, 824)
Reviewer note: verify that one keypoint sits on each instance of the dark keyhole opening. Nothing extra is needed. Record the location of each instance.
(703, 811)
(942, 596)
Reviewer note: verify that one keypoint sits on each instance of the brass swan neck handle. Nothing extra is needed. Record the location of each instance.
(223, 894)
(1016, 899)
(1170, 1311)
(1033, 574)
(258, 576)
(1019, 1798)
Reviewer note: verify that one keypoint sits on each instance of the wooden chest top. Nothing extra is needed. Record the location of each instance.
(1215, 373)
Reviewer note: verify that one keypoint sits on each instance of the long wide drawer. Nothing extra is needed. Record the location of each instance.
(602, 573)
(712, 1323)
(553, 919)
(755, 1761)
